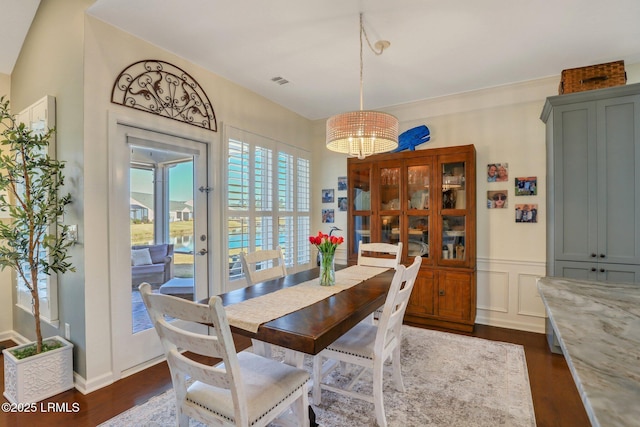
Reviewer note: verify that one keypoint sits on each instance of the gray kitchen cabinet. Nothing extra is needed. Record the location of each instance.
(593, 184)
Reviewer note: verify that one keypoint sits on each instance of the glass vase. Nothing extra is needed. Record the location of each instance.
(327, 269)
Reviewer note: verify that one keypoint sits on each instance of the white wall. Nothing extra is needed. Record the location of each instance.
(504, 125)
(6, 298)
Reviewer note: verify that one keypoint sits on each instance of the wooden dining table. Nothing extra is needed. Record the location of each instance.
(314, 327)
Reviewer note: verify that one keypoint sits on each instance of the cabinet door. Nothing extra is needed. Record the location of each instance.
(618, 124)
(454, 295)
(628, 273)
(421, 300)
(576, 270)
(575, 166)
(418, 214)
(359, 221)
(604, 272)
(455, 213)
(389, 203)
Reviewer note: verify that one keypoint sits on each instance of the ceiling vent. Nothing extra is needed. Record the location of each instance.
(280, 80)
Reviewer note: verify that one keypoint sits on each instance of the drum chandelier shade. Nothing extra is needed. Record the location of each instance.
(363, 133)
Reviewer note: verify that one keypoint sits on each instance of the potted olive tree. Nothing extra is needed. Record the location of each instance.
(34, 244)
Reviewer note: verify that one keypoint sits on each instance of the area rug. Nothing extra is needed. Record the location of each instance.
(450, 380)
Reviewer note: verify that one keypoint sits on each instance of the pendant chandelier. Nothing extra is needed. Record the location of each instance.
(364, 132)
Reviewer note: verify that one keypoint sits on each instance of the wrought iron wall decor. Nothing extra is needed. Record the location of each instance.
(160, 88)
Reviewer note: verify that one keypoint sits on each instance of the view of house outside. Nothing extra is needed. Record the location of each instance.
(180, 213)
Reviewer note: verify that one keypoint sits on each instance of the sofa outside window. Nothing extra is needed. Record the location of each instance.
(151, 263)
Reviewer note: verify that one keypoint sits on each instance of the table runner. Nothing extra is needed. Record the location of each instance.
(250, 314)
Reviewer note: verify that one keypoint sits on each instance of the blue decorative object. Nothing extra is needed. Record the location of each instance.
(410, 139)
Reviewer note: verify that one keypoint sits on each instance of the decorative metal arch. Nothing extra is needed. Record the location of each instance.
(163, 89)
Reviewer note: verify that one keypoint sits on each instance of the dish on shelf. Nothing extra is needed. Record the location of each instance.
(417, 249)
(454, 233)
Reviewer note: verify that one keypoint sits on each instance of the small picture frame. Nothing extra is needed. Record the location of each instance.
(497, 172)
(527, 186)
(497, 199)
(527, 213)
(342, 204)
(342, 183)
(327, 195)
(328, 216)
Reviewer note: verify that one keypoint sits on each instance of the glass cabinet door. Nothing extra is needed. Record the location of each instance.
(360, 198)
(453, 186)
(389, 204)
(389, 189)
(417, 197)
(454, 204)
(453, 237)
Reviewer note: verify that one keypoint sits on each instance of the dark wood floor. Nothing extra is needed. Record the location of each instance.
(555, 398)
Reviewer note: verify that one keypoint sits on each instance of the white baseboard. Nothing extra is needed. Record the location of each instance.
(85, 387)
(13, 336)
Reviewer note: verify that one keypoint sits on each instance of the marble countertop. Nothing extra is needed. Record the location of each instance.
(598, 327)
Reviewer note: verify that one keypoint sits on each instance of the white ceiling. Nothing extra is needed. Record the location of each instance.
(438, 47)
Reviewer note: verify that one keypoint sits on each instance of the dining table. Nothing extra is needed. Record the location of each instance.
(312, 328)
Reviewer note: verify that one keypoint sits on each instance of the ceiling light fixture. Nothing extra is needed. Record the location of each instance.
(364, 132)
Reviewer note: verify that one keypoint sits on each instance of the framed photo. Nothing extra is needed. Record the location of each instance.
(497, 172)
(327, 195)
(497, 199)
(342, 204)
(527, 213)
(342, 183)
(527, 186)
(328, 216)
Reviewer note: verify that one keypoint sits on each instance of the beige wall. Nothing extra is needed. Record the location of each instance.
(6, 320)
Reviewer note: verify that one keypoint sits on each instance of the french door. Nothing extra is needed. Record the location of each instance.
(158, 234)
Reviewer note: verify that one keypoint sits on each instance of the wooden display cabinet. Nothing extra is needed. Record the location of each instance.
(425, 199)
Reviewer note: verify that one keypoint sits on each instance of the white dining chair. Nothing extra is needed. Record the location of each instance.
(369, 346)
(260, 266)
(372, 249)
(379, 248)
(263, 265)
(243, 390)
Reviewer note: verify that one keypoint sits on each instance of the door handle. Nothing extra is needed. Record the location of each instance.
(202, 252)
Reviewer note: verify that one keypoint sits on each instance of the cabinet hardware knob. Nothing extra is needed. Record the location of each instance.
(441, 292)
(593, 255)
(602, 270)
(593, 269)
(602, 255)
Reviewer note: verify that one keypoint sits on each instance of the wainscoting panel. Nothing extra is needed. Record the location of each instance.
(508, 295)
(529, 300)
(493, 290)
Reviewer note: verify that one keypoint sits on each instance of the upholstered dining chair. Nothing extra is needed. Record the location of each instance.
(369, 346)
(243, 390)
(271, 266)
(378, 261)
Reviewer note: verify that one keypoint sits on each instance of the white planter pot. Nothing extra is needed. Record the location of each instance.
(38, 377)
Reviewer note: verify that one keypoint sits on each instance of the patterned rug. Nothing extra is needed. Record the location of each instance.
(451, 380)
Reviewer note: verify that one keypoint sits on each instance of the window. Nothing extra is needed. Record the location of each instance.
(267, 199)
(39, 117)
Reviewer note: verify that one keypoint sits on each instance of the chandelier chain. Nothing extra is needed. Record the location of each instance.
(363, 32)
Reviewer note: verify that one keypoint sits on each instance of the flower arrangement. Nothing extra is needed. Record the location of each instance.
(327, 248)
